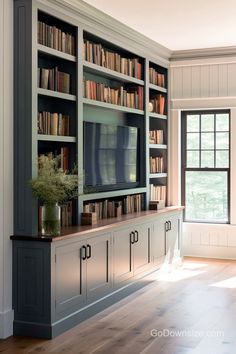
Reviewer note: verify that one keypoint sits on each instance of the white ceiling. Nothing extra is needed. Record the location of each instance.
(177, 24)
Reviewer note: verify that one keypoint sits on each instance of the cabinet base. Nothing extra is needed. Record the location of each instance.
(49, 331)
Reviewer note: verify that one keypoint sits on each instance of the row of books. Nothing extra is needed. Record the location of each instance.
(97, 54)
(156, 78)
(156, 164)
(53, 79)
(66, 215)
(131, 97)
(53, 37)
(158, 104)
(63, 157)
(157, 192)
(156, 137)
(53, 123)
(114, 208)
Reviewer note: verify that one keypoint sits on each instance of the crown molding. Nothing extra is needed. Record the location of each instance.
(205, 53)
(89, 14)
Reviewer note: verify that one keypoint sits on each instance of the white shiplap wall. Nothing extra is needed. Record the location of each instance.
(6, 164)
(196, 79)
(204, 84)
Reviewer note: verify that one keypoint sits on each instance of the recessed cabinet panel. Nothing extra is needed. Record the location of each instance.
(123, 255)
(98, 266)
(173, 239)
(158, 240)
(142, 248)
(69, 277)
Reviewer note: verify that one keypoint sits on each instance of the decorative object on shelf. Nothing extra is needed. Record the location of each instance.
(53, 187)
(150, 107)
(51, 219)
(158, 102)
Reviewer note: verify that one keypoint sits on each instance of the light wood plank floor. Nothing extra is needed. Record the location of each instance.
(198, 299)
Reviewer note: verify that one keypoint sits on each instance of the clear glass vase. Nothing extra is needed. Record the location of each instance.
(51, 219)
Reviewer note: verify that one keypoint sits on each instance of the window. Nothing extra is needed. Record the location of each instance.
(205, 166)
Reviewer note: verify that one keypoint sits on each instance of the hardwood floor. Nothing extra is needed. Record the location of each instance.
(198, 299)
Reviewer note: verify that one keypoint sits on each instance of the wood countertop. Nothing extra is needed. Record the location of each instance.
(102, 225)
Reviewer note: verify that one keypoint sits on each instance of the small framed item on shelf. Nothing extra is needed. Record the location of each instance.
(89, 218)
(157, 204)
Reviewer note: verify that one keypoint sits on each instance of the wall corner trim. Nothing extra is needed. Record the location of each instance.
(6, 324)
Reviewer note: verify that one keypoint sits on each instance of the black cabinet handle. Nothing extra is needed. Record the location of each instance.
(169, 222)
(132, 238)
(136, 238)
(89, 251)
(167, 226)
(83, 257)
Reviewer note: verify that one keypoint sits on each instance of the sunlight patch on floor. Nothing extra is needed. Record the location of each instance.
(177, 271)
(228, 283)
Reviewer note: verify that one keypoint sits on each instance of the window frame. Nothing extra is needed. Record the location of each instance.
(184, 115)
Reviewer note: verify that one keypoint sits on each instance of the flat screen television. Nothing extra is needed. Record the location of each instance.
(111, 157)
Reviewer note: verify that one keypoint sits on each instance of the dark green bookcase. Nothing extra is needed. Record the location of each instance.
(29, 99)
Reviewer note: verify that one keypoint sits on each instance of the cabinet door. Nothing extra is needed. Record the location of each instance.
(69, 277)
(142, 257)
(173, 238)
(123, 255)
(158, 240)
(99, 272)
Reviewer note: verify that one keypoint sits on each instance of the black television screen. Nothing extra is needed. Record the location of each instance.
(110, 156)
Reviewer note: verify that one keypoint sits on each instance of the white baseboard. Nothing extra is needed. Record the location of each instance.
(210, 252)
(6, 324)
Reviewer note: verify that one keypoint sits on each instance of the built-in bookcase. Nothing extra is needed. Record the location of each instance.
(59, 99)
(158, 132)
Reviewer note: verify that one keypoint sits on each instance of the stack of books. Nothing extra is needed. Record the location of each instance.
(66, 214)
(97, 54)
(114, 208)
(158, 104)
(131, 97)
(157, 192)
(156, 164)
(156, 78)
(53, 123)
(53, 79)
(55, 38)
(156, 137)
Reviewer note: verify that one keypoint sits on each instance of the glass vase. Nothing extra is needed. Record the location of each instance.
(51, 219)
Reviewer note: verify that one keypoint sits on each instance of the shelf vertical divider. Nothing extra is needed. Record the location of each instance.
(25, 142)
(80, 140)
(146, 78)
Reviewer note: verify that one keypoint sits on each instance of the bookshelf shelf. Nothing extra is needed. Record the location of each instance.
(157, 88)
(111, 194)
(158, 146)
(56, 94)
(108, 73)
(156, 115)
(112, 106)
(157, 175)
(53, 52)
(58, 138)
